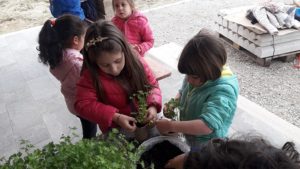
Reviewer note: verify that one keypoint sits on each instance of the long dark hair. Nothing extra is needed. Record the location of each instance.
(204, 55)
(132, 78)
(56, 35)
(253, 153)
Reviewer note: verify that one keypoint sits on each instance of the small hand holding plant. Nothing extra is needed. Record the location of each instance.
(144, 115)
(171, 114)
(171, 109)
(126, 122)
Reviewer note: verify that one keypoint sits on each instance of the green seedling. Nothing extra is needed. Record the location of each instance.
(171, 109)
(141, 98)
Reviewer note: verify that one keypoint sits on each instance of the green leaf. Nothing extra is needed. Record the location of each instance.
(113, 152)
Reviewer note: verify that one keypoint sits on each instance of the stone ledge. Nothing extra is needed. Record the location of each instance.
(252, 118)
(167, 53)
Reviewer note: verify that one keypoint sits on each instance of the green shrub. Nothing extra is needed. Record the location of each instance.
(114, 152)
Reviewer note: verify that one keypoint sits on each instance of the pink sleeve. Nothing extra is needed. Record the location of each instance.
(88, 106)
(78, 65)
(154, 98)
(147, 37)
(117, 23)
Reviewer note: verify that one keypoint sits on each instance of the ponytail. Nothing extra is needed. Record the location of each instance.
(49, 46)
(57, 35)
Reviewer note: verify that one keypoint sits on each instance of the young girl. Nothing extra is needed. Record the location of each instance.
(88, 10)
(60, 7)
(209, 93)
(60, 42)
(133, 24)
(112, 74)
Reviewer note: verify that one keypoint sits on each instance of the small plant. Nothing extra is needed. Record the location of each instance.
(172, 108)
(114, 152)
(141, 99)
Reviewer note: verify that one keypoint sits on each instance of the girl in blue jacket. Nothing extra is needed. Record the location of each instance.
(60, 7)
(208, 97)
(88, 10)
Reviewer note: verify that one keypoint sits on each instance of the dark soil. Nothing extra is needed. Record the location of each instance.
(159, 155)
(140, 125)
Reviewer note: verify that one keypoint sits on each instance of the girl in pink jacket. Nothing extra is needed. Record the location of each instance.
(60, 42)
(111, 74)
(133, 24)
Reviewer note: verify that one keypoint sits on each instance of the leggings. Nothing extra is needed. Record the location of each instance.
(93, 9)
(89, 129)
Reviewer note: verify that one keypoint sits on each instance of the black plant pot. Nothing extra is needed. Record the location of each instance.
(145, 132)
(140, 125)
(159, 150)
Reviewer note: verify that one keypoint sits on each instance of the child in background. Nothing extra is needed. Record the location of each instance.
(88, 10)
(297, 10)
(60, 7)
(93, 9)
(133, 24)
(60, 42)
(112, 73)
(208, 97)
(99, 5)
(247, 153)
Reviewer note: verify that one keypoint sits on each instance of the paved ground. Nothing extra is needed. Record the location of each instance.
(32, 107)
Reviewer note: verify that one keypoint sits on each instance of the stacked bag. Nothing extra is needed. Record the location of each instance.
(267, 30)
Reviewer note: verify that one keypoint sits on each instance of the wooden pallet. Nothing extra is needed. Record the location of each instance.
(286, 57)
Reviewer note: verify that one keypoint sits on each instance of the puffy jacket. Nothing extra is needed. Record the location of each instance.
(68, 73)
(214, 103)
(88, 106)
(60, 7)
(137, 31)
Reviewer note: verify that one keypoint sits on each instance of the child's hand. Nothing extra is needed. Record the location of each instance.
(164, 126)
(137, 48)
(177, 97)
(165, 109)
(126, 122)
(152, 114)
(176, 162)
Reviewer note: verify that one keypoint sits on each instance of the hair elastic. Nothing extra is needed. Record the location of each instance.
(52, 21)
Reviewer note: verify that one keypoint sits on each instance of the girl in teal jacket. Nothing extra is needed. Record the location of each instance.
(208, 96)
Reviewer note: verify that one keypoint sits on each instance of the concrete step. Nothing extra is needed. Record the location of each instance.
(167, 53)
(251, 118)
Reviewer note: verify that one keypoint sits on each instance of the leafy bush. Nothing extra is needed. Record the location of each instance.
(114, 152)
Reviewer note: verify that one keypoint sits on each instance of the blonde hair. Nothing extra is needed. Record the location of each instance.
(131, 4)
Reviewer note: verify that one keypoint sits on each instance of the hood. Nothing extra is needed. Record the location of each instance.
(67, 63)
